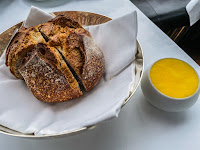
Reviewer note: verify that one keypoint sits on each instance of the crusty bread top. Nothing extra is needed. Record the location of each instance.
(23, 42)
(70, 53)
(65, 21)
(48, 77)
(70, 45)
(87, 61)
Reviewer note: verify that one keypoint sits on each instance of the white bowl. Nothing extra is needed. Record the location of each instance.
(164, 102)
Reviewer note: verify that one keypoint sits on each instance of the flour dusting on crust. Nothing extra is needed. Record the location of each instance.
(94, 63)
(46, 82)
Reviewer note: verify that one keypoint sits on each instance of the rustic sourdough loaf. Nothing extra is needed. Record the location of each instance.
(54, 58)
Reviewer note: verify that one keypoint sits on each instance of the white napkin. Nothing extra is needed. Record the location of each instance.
(193, 10)
(37, 16)
(21, 111)
(119, 52)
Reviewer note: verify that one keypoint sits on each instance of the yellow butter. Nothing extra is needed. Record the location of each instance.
(174, 78)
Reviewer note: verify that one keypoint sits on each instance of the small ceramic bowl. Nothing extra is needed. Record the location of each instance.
(162, 101)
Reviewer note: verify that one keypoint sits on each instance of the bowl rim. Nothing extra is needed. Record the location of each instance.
(172, 98)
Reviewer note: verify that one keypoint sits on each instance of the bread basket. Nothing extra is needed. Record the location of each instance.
(86, 19)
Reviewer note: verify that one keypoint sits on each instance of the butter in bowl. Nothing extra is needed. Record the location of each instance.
(171, 85)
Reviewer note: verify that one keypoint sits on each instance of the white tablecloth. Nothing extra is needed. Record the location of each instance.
(139, 126)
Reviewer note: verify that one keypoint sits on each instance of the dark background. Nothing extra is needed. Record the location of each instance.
(172, 18)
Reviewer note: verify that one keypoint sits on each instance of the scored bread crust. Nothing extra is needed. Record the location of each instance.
(23, 43)
(78, 48)
(74, 57)
(48, 77)
(65, 21)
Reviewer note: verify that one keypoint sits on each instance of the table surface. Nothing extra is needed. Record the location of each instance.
(139, 125)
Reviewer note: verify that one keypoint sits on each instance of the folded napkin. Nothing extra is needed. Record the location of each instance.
(193, 10)
(22, 112)
(37, 16)
(119, 52)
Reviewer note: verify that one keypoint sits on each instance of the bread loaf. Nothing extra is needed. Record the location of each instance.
(58, 59)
